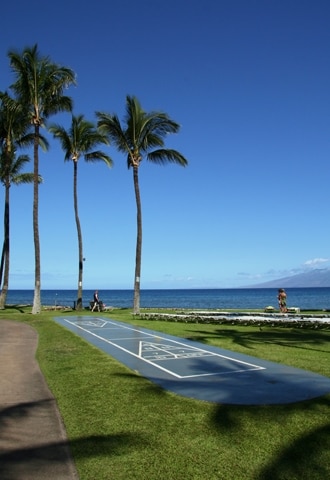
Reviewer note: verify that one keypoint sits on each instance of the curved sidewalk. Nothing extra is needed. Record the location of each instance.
(33, 442)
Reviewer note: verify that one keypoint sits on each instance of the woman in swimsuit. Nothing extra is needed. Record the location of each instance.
(282, 300)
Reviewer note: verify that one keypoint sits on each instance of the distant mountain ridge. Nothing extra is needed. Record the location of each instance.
(313, 278)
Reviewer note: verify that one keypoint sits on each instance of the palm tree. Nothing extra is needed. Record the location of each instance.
(10, 168)
(142, 135)
(39, 86)
(80, 140)
(14, 132)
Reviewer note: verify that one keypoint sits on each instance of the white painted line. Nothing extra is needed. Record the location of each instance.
(121, 348)
(220, 373)
(170, 372)
(184, 344)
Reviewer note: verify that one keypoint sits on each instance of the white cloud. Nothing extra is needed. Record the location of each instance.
(316, 261)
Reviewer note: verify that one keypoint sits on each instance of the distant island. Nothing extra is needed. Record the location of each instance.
(313, 278)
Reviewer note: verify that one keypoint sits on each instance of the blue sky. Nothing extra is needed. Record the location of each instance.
(249, 83)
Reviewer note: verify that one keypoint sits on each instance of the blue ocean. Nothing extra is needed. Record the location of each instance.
(240, 298)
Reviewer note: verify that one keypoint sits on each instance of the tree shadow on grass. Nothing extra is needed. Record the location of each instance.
(44, 456)
(16, 308)
(229, 417)
(39, 458)
(47, 457)
(275, 336)
(304, 457)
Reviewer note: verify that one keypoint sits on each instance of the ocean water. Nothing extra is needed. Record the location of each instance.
(240, 298)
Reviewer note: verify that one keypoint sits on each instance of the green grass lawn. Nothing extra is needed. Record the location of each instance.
(121, 426)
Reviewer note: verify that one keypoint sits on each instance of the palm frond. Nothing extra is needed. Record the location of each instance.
(110, 126)
(11, 167)
(163, 156)
(63, 136)
(98, 156)
(14, 121)
(40, 83)
(80, 139)
(25, 178)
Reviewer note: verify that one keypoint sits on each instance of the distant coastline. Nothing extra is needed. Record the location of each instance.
(317, 278)
(313, 298)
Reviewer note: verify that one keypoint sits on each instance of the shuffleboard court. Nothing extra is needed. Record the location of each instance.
(196, 370)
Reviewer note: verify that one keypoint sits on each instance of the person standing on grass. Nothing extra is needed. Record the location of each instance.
(282, 300)
(96, 301)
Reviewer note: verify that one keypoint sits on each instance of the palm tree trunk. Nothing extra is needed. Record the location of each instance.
(36, 308)
(79, 305)
(5, 252)
(2, 262)
(138, 253)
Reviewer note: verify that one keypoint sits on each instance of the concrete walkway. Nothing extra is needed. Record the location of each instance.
(33, 442)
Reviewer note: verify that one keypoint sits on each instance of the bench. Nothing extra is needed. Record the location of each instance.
(269, 309)
(293, 310)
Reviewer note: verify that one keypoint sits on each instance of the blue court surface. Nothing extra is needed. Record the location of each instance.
(195, 370)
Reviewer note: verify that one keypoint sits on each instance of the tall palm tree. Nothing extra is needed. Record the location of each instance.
(39, 86)
(10, 168)
(14, 132)
(141, 136)
(80, 140)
